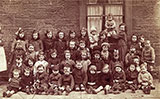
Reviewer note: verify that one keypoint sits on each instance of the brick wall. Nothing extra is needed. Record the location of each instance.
(37, 14)
(146, 21)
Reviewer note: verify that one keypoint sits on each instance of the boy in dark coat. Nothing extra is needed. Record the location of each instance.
(66, 82)
(53, 81)
(80, 76)
(131, 77)
(119, 79)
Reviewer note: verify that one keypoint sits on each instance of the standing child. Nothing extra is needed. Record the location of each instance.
(60, 43)
(83, 48)
(145, 79)
(14, 84)
(30, 64)
(84, 36)
(80, 76)
(73, 50)
(102, 38)
(105, 54)
(53, 81)
(66, 82)
(93, 38)
(122, 42)
(72, 37)
(31, 53)
(48, 41)
(36, 41)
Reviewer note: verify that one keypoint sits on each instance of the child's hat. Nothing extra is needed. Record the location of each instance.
(96, 52)
(105, 44)
(93, 67)
(55, 67)
(118, 65)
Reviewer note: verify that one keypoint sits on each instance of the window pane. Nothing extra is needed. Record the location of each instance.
(114, 9)
(105, 1)
(95, 10)
(95, 22)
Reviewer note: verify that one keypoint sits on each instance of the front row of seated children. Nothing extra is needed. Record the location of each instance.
(111, 80)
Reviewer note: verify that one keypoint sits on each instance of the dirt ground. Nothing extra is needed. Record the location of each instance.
(155, 94)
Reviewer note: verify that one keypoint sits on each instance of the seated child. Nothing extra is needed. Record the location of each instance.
(27, 80)
(14, 84)
(105, 54)
(66, 82)
(145, 79)
(131, 77)
(31, 53)
(80, 76)
(82, 47)
(41, 61)
(92, 78)
(41, 80)
(105, 80)
(119, 79)
(53, 81)
(30, 64)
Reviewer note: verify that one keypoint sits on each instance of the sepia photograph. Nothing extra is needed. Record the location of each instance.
(79, 49)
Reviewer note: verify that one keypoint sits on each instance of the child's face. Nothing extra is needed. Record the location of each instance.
(92, 71)
(116, 56)
(30, 63)
(122, 28)
(61, 35)
(67, 70)
(49, 35)
(84, 55)
(72, 44)
(19, 60)
(78, 65)
(147, 44)
(27, 73)
(35, 36)
(137, 61)
(103, 36)
(134, 38)
(73, 35)
(105, 48)
(132, 67)
(93, 33)
(41, 69)
(67, 55)
(31, 48)
(118, 69)
(41, 57)
(83, 32)
(82, 45)
(132, 50)
(21, 35)
(54, 55)
(105, 69)
(143, 69)
(16, 74)
(55, 71)
(142, 39)
(110, 18)
(97, 56)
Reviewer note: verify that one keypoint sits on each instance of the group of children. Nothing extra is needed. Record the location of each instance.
(91, 62)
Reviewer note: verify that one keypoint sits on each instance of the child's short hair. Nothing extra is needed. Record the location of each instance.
(105, 44)
(16, 71)
(66, 51)
(92, 67)
(55, 67)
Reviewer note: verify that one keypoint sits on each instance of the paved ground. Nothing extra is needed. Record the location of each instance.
(155, 94)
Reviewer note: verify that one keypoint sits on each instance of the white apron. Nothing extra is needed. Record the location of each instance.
(3, 62)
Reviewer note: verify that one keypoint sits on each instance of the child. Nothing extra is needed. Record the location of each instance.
(93, 38)
(92, 78)
(148, 55)
(30, 64)
(80, 76)
(27, 80)
(145, 79)
(141, 42)
(53, 81)
(105, 80)
(102, 38)
(130, 56)
(31, 53)
(119, 79)
(66, 82)
(97, 61)
(136, 61)
(36, 41)
(14, 84)
(18, 65)
(67, 60)
(85, 61)
(105, 54)
(134, 42)
(84, 36)
(131, 77)
(83, 48)
(110, 23)
(122, 41)
(41, 80)
(41, 61)
(48, 41)
(73, 50)
(72, 37)
(60, 43)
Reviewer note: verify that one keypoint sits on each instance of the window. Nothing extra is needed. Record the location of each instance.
(97, 11)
